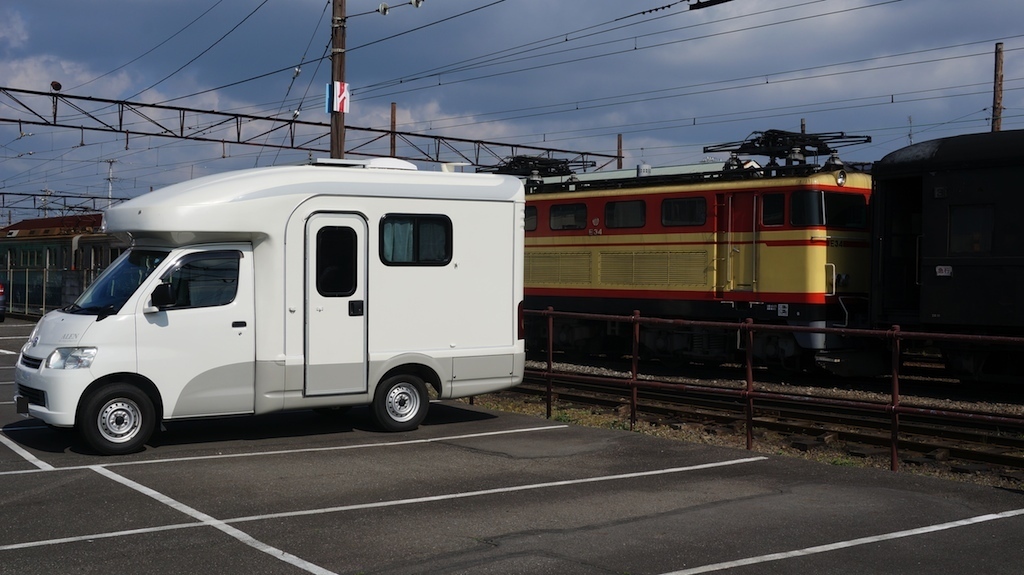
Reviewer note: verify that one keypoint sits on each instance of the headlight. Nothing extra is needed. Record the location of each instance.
(71, 357)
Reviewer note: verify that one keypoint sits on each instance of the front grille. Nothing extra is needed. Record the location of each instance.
(30, 362)
(34, 396)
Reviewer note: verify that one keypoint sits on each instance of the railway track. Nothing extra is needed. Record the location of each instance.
(974, 445)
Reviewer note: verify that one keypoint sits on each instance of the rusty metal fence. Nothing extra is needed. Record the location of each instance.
(893, 338)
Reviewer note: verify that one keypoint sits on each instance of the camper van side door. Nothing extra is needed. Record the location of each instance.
(336, 310)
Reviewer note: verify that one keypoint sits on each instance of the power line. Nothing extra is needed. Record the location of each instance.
(183, 66)
(151, 50)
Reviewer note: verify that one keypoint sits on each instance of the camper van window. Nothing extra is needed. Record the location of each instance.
(117, 283)
(336, 259)
(204, 279)
(424, 240)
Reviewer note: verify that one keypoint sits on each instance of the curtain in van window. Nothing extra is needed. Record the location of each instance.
(398, 240)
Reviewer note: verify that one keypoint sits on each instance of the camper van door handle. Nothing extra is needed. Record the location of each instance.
(355, 308)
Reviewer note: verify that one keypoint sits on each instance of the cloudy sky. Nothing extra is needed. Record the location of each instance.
(571, 75)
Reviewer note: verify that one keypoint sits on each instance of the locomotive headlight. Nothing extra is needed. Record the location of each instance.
(841, 177)
(71, 358)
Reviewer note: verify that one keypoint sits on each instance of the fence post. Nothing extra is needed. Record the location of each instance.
(894, 456)
(551, 353)
(748, 330)
(635, 370)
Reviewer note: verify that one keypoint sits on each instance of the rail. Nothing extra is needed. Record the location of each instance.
(749, 395)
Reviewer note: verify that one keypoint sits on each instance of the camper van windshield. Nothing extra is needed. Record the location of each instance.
(117, 283)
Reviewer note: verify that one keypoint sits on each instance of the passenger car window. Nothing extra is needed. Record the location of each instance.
(424, 240)
(204, 280)
(970, 229)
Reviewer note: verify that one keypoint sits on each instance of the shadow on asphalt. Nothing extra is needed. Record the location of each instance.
(34, 435)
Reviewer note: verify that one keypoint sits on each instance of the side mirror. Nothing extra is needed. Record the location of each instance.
(163, 296)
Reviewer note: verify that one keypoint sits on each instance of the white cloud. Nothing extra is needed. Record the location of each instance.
(13, 31)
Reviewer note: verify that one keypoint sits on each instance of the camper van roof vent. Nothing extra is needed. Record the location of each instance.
(375, 163)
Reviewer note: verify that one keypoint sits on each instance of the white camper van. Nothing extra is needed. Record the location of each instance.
(320, 286)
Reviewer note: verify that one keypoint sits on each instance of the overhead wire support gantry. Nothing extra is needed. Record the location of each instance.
(157, 120)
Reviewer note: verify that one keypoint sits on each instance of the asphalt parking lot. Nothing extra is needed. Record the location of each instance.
(471, 491)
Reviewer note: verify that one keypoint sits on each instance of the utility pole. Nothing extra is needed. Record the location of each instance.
(997, 91)
(394, 128)
(338, 29)
(110, 182)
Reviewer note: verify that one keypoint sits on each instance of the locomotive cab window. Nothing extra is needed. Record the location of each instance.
(415, 240)
(832, 209)
(531, 218)
(628, 214)
(773, 209)
(568, 217)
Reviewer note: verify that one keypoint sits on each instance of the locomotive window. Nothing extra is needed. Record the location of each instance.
(773, 209)
(970, 229)
(832, 209)
(631, 214)
(568, 216)
(805, 209)
(846, 210)
(684, 212)
(531, 218)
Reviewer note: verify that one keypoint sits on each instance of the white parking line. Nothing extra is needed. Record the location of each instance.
(847, 544)
(338, 509)
(41, 465)
(512, 489)
(291, 451)
(286, 451)
(215, 523)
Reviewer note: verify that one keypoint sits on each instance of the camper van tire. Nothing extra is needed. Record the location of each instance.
(116, 419)
(400, 402)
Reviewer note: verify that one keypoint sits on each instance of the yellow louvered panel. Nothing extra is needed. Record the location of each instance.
(557, 268)
(654, 268)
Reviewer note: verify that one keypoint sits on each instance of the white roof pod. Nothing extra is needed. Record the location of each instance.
(247, 203)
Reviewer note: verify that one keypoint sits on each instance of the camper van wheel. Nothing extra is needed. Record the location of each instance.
(117, 419)
(400, 402)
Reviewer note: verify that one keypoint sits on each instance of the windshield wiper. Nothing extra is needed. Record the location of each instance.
(101, 311)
